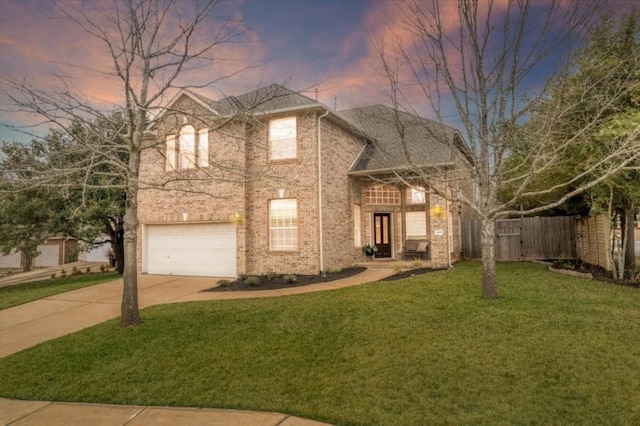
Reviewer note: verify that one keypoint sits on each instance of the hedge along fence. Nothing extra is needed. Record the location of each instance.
(593, 243)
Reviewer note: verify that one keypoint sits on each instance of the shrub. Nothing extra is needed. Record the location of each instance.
(242, 277)
(271, 276)
(417, 263)
(397, 269)
(63, 273)
(88, 269)
(53, 275)
(102, 268)
(290, 279)
(224, 283)
(252, 280)
(335, 270)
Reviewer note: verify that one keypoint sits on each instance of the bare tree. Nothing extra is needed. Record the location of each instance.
(479, 63)
(151, 45)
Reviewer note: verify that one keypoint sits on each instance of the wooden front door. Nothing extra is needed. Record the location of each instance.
(382, 234)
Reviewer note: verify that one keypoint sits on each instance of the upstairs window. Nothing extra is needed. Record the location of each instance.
(416, 195)
(170, 156)
(188, 150)
(282, 139)
(203, 148)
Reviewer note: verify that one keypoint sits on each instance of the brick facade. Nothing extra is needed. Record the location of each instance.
(242, 181)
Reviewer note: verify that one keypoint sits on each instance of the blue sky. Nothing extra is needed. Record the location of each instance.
(323, 44)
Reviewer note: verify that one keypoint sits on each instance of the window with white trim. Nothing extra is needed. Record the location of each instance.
(186, 151)
(187, 147)
(203, 148)
(283, 224)
(357, 225)
(382, 195)
(170, 156)
(282, 139)
(416, 225)
(416, 195)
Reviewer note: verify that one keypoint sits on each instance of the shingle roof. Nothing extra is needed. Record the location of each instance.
(399, 139)
(265, 99)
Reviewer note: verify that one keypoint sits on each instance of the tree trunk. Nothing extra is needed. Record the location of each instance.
(630, 249)
(115, 229)
(489, 281)
(130, 315)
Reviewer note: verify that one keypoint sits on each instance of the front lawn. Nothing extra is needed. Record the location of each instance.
(22, 293)
(425, 350)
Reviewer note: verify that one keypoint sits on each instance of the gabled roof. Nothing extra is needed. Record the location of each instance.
(399, 140)
(265, 99)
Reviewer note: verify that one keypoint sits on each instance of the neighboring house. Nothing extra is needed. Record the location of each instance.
(274, 181)
(96, 253)
(53, 251)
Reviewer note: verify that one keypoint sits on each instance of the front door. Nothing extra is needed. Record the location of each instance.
(382, 234)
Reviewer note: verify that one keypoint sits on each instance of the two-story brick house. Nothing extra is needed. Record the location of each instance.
(274, 181)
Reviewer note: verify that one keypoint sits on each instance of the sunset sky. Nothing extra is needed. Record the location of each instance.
(321, 43)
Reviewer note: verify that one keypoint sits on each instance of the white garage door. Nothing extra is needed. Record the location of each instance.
(49, 255)
(207, 250)
(11, 260)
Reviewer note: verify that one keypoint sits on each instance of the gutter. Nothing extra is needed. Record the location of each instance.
(320, 227)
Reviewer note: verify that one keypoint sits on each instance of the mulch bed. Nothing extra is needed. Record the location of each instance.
(411, 273)
(278, 281)
(598, 273)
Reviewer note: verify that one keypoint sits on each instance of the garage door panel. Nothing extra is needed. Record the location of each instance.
(192, 249)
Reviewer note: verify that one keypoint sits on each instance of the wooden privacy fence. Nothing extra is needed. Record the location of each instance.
(593, 242)
(528, 238)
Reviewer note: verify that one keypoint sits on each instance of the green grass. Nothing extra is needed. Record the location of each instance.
(426, 350)
(22, 293)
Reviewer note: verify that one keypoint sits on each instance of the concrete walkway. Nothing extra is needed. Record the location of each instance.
(44, 273)
(32, 323)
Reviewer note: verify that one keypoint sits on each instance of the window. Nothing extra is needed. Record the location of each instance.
(203, 148)
(283, 224)
(282, 139)
(416, 225)
(187, 152)
(187, 148)
(416, 195)
(357, 223)
(381, 194)
(170, 156)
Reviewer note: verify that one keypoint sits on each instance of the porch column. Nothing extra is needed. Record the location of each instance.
(438, 231)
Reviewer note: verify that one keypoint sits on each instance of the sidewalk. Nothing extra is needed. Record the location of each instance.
(32, 323)
(44, 273)
(34, 413)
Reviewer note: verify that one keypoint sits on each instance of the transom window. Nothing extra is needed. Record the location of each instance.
(282, 139)
(382, 195)
(416, 195)
(188, 150)
(283, 224)
(416, 225)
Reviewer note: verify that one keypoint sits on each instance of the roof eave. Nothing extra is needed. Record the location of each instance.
(398, 169)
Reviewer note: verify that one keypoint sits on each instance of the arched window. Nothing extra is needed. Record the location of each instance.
(188, 149)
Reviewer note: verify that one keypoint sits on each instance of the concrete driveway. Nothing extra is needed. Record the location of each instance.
(26, 325)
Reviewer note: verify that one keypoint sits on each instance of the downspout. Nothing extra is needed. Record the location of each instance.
(320, 227)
